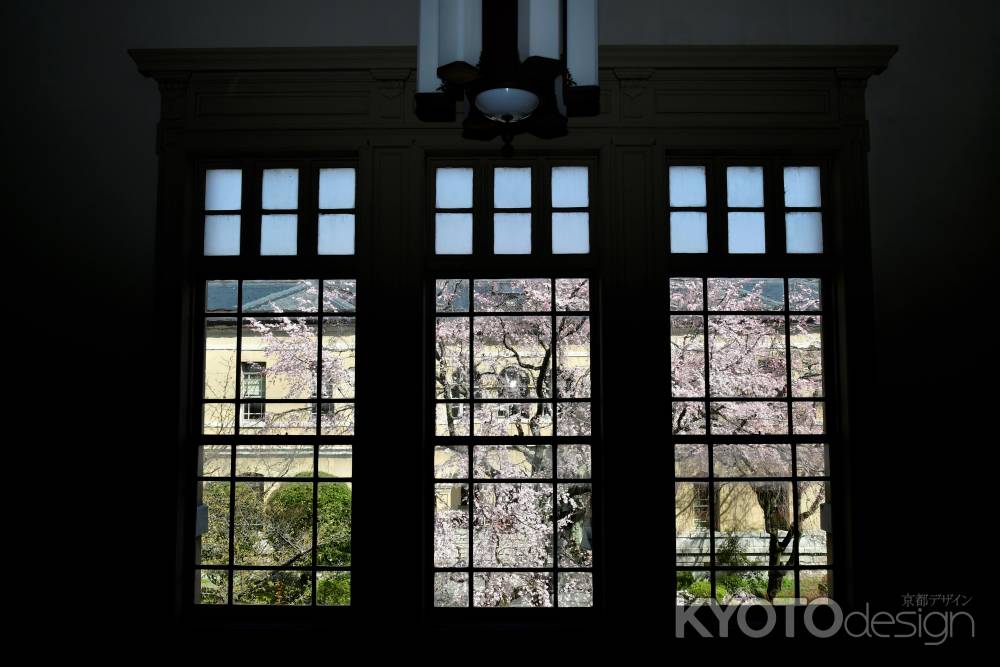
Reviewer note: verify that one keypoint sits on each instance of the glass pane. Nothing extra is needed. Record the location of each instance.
(513, 295)
(451, 461)
(512, 461)
(333, 523)
(280, 189)
(512, 525)
(807, 355)
(746, 232)
(278, 357)
(573, 461)
(280, 296)
(572, 294)
(576, 538)
(687, 355)
(278, 234)
(340, 296)
(803, 294)
(690, 460)
(813, 460)
(273, 524)
(751, 586)
(220, 296)
(753, 460)
(802, 186)
(336, 461)
(451, 295)
(687, 418)
(569, 187)
(686, 294)
(815, 545)
(688, 232)
(338, 357)
(336, 419)
(223, 189)
(693, 587)
(213, 542)
(512, 187)
(746, 294)
(573, 357)
(451, 589)
(512, 233)
(451, 357)
(274, 461)
(754, 519)
(747, 356)
(213, 586)
(570, 233)
(814, 584)
(222, 235)
(219, 419)
(691, 523)
(745, 187)
(520, 419)
(687, 186)
(576, 589)
(277, 418)
(512, 589)
(453, 234)
(511, 357)
(272, 587)
(336, 188)
(808, 418)
(452, 419)
(214, 460)
(333, 588)
(804, 232)
(220, 358)
(451, 525)
(336, 234)
(454, 188)
(749, 417)
(573, 419)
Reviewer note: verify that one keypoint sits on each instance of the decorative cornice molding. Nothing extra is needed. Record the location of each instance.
(861, 60)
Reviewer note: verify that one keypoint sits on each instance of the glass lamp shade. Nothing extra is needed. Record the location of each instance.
(506, 105)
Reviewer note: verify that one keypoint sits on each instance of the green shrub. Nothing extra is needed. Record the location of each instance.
(703, 589)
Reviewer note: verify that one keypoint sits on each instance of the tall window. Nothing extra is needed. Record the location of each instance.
(748, 385)
(274, 477)
(513, 411)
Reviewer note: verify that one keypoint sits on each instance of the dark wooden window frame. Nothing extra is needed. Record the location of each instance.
(223, 106)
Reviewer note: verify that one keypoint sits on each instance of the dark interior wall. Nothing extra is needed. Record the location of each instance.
(82, 134)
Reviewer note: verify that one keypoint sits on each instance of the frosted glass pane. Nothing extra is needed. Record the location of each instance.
(687, 186)
(454, 188)
(281, 188)
(222, 189)
(570, 233)
(453, 233)
(804, 232)
(336, 188)
(512, 187)
(569, 187)
(278, 234)
(222, 235)
(688, 231)
(512, 233)
(802, 186)
(746, 232)
(336, 234)
(745, 186)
